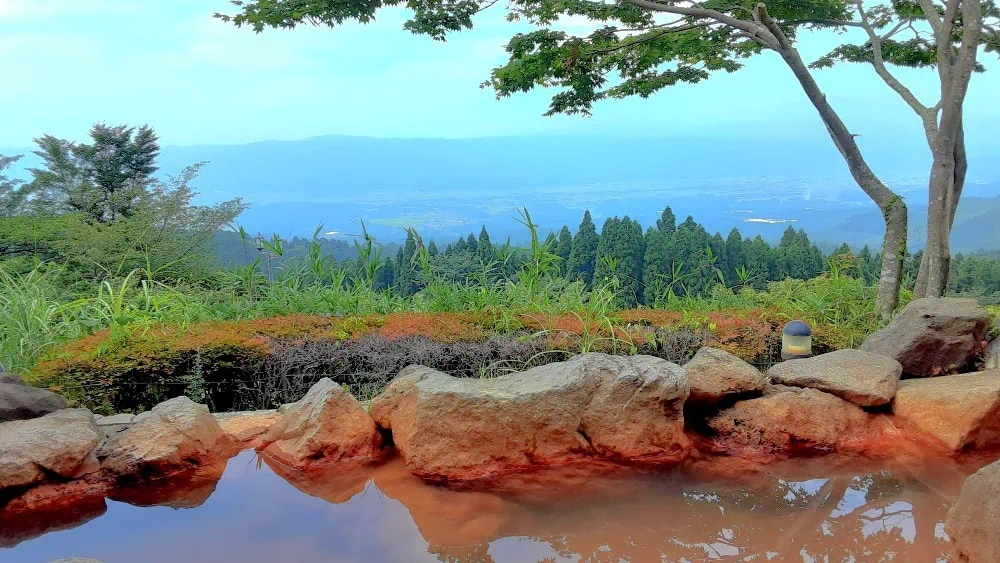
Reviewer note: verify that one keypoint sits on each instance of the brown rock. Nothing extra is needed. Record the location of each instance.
(61, 443)
(20, 401)
(960, 411)
(791, 420)
(246, 428)
(327, 424)
(716, 374)
(973, 524)
(593, 406)
(174, 436)
(863, 378)
(932, 336)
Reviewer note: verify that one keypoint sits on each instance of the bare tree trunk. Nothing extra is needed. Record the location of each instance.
(892, 206)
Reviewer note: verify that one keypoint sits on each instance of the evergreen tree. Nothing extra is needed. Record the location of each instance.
(759, 261)
(721, 261)
(406, 274)
(584, 252)
(448, 250)
(384, 278)
(667, 223)
(471, 244)
(867, 267)
(485, 248)
(13, 196)
(620, 251)
(689, 249)
(432, 249)
(563, 248)
(461, 246)
(656, 266)
(735, 256)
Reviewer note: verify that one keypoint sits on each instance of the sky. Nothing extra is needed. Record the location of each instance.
(168, 63)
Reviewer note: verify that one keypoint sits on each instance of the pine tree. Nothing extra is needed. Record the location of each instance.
(563, 248)
(760, 260)
(583, 254)
(406, 275)
(432, 249)
(471, 244)
(449, 250)
(656, 266)
(461, 245)
(620, 252)
(485, 247)
(667, 223)
(735, 256)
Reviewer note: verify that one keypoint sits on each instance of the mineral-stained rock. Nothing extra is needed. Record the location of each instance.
(596, 406)
(863, 378)
(932, 336)
(789, 420)
(716, 374)
(175, 435)
(61, 444)
(960, 411)
(20, 401)
(327, 424)
(973, 523)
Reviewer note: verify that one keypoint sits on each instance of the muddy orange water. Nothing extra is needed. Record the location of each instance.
(256, 511)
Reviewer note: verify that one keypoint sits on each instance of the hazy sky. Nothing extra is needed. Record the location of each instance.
(68, 63)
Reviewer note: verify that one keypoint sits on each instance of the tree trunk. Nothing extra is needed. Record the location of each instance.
(892, 206)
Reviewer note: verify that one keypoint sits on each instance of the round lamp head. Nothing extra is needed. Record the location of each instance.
(797, 328)
(796, 341)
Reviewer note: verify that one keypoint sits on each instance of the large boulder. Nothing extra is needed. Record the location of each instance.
(993, 354)
(973, 523)
(962, 412)
(863, 378)
(715, 375)
(59, 444)
(20, 401)
(327, 424)
(174, 436)
(790, 420)
(594, 406)
(932, 336)
(246, 428)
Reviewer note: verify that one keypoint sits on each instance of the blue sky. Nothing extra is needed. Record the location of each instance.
(69, 63)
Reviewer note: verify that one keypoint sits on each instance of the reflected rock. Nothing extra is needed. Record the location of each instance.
(594, 406)
(961, 412)
(791, 420)
(328, 425)
(186, 489)
(174, 436)
(335, 483)
(29, 520)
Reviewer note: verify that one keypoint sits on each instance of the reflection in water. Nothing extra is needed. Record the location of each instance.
(266, 512)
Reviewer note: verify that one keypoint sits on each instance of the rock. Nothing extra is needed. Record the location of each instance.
(993, 354)
(972, 523)
(20, 401)
(58, 444)
(716, 374)
(247, 427)
(960, 411)
(327, 424)
(932, 336)
(594, 406)
(175, 435)
(789, 420)
(863, 378)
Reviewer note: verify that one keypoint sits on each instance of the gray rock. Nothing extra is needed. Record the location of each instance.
(61, 443)
(20, 401)
(863, 378)
(716, 374)
(993, 354)
(972, 523)
(932, 336)
(172, 436)
(594, 406)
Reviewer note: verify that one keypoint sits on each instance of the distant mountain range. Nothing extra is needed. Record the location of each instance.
(450, 187)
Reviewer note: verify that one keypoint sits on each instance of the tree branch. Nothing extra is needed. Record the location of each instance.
(821, 21)
(755, 30)
(922, 111)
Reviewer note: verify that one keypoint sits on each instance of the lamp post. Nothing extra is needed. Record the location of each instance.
(796, 341)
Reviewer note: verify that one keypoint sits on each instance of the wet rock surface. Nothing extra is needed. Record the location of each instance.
(59, 445)
(715, 375)
(863, 378)
(789, 420)
(627, 409)
(961, 412)
(20, 401)
(175, 435)
(974, 521)
(992, 357)
(246, 428)
(327, 425)
(932, 336)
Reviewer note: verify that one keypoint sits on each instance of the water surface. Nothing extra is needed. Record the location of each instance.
(256, 512)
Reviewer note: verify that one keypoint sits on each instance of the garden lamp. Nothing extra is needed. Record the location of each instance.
(796, 341)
